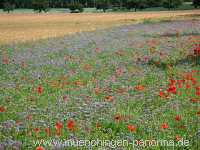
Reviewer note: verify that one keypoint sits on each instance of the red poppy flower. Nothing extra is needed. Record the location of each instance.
(178, 137)
(164, 126)
(194, 81)
(87, 67)
(197, 50)
(97, 50)
(58, 132)
(194, 100)
(97, 91)
(172, 89)
(47, 130)
(157, 62)
(119, 53)
(78, 83)
(39, 148)
(178, 118)
(172, 82)
(119, 71)
(197, 91)
(5, 60)
(109, 98)
(23, 64)
(182, 127)
(98, 125)
(29, 117)
(2, 109)
(39, 89)
(180, 83)
(198, 113)
(139, 88)
(59, 125)
(65, 98)
(117, 117)
(188, 76)
(131, 128)
(70, 124)
(18, 122)
(188, 86)
(161, 94)
(37, 130)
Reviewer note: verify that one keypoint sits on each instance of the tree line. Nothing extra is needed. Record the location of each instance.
(78, 5)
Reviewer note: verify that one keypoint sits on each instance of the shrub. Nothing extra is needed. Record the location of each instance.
(76, 8)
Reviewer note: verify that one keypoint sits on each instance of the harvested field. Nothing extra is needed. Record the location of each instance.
(31, 27)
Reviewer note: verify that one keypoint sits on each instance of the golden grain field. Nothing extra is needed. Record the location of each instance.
(28, 27)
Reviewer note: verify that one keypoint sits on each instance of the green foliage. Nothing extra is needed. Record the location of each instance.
(40, 5)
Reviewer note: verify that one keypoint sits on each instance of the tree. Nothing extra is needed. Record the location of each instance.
(130, 4)
(196, 3)
(103, 4)
(171, 4)
(8, 5)
(43, 5)
(154, 3)
(1, 4)
(142, 4)
(40, 5)
(117, 3)
(23, 3)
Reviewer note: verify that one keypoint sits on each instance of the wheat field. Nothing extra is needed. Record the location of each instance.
(16, 28)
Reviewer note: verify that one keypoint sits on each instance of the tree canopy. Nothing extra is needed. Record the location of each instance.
(43, 5)
(196, 3)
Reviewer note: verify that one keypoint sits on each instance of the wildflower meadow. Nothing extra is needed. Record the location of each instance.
(133, 83)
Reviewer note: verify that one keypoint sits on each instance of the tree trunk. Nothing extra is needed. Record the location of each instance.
(121, 4)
